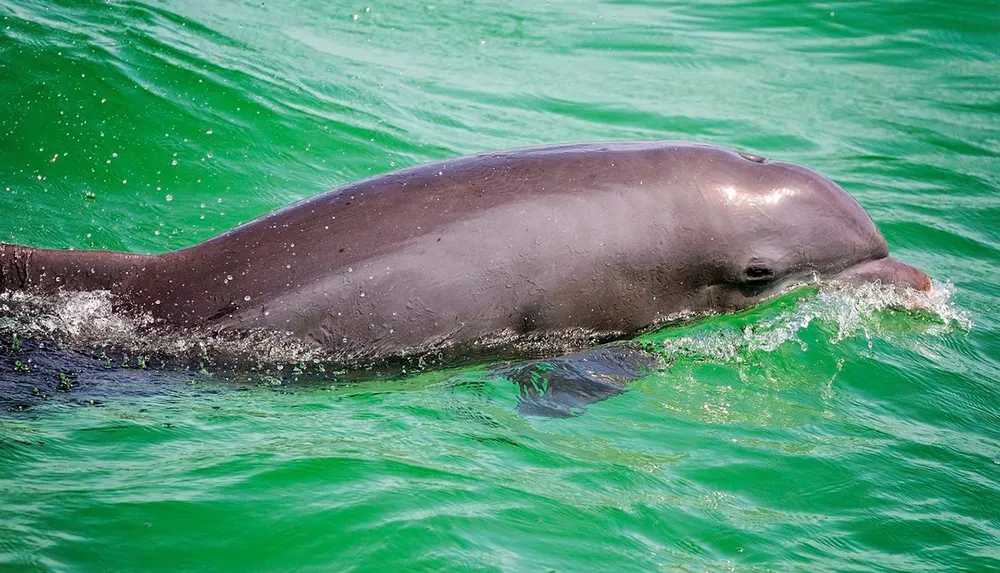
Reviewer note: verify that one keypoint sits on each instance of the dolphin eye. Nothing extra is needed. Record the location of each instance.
(757, 273)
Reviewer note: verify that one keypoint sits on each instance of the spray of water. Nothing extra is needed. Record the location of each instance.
(846, 313)
(93, 319)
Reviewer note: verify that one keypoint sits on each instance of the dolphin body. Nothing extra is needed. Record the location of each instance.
(579, 243)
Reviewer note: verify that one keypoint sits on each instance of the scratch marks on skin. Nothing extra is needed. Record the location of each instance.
(14, 263)
(697, 185)
(21, 267)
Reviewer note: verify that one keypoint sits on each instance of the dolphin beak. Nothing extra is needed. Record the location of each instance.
(888, 271)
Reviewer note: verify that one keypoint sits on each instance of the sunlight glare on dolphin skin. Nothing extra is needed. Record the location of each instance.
(735, 197)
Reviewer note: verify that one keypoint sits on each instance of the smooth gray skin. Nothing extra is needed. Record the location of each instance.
(604, 239)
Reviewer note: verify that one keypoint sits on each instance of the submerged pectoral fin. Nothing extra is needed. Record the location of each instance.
(563, 387)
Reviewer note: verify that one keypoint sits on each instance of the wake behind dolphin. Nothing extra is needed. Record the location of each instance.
(578, 243)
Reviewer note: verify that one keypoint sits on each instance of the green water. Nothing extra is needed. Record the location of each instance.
(814, 433)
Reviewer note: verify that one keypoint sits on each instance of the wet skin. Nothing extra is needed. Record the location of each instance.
(596, 240)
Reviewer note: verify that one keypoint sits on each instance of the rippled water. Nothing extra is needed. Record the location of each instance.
(819, 432)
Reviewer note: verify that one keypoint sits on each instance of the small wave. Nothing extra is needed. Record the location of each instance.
(853, 312)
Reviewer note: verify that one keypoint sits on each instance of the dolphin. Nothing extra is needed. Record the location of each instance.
(571, 244)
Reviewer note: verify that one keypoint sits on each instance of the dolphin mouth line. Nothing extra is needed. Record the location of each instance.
(887, 271)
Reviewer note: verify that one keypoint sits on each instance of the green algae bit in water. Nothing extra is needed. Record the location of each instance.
(821, 431)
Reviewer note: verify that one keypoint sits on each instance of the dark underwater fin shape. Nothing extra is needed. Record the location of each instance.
(563, 387)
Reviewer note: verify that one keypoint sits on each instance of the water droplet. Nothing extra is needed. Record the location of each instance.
(247, 298)
(170, 197)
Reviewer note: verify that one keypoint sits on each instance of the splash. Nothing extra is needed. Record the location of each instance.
(844, 313)
(93, 319)
(83, 318)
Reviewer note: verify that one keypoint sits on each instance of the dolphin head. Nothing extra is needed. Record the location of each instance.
(779, 225)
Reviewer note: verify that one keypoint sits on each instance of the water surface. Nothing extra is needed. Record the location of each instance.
(818, 432)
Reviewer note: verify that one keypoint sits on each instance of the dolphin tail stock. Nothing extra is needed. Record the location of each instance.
(50, 270)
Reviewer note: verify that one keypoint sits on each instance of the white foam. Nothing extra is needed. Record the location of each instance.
(852, 312)
(78, 317)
